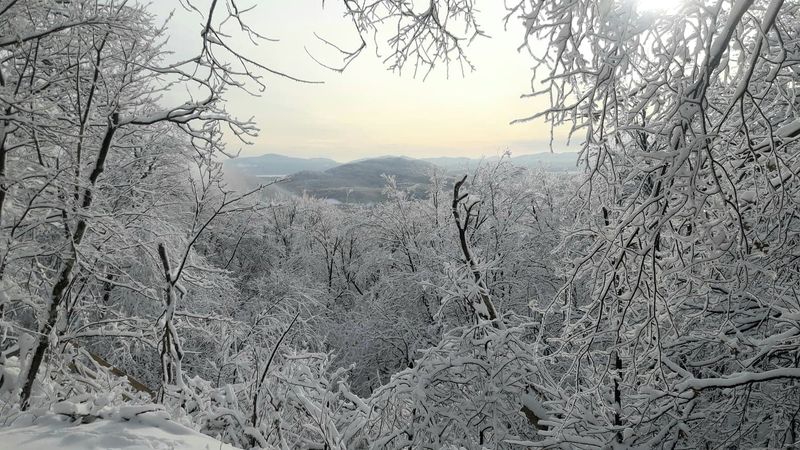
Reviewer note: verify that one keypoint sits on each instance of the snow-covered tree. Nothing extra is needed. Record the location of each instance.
(687, 236)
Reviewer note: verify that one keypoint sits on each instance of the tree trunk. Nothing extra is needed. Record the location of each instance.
(65, 272)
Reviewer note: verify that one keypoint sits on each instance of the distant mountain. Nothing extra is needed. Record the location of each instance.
(370, 171)
(278, 165)
(363, 181)
(554, 162)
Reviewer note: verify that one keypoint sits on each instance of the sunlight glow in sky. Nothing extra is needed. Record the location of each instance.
(369, 111)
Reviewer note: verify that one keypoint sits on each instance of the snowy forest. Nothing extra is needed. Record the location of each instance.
(650, 299)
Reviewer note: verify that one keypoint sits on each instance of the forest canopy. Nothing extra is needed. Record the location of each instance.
(648, 300)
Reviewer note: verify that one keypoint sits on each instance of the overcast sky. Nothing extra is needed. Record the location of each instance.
(368, 110)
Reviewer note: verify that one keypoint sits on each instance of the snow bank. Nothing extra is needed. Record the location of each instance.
(57, 432)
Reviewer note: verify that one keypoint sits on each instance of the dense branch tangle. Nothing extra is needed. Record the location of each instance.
(690, 124)
(422, 34)
(88, 148)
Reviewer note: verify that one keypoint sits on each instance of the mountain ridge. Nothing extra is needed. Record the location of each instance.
(275, 164)
(364, 180)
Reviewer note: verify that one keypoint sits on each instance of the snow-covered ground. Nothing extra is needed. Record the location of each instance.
(54, 432)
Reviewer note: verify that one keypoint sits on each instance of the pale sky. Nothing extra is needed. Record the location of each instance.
(370, 111)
